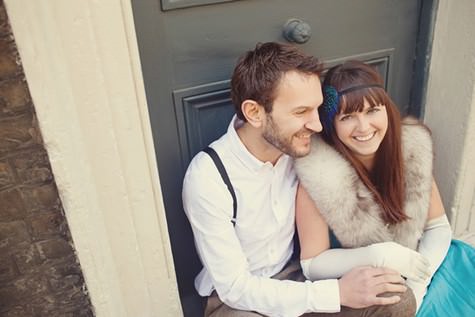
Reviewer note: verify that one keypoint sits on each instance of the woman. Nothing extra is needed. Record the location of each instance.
(368, 181)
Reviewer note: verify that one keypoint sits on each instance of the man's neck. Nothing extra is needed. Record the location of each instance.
(256, 145)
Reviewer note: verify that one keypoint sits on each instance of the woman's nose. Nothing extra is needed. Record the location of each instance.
(363, 123)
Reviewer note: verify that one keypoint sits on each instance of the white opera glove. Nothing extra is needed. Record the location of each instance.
(434, 244)
(419, 288)
(334, 263)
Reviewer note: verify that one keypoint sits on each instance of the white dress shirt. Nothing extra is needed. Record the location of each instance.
(239, 261)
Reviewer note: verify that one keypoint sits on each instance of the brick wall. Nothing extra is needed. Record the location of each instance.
(39, 271)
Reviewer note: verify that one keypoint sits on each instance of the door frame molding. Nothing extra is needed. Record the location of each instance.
(82, 65)
(425, 38)
(451, 114)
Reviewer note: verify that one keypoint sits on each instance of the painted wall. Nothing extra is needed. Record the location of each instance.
(39, 272)
(450, 110)
(81, 62)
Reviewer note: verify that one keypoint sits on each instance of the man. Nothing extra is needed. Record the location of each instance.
(276, 90)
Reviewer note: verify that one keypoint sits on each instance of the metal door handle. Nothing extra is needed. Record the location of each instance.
(297, 31)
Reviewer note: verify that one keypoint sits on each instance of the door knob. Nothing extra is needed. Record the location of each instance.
(297, 31)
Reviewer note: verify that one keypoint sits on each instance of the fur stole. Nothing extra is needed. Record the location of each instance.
(349, 207)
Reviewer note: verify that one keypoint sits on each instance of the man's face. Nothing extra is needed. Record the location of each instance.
(294, 117)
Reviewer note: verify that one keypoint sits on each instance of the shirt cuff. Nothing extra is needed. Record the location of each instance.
(324, 296)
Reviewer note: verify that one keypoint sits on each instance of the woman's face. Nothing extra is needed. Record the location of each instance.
(362, 132)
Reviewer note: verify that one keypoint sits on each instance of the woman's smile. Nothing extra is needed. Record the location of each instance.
(365, 138)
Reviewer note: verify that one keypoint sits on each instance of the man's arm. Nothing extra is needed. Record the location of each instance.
(222, 255)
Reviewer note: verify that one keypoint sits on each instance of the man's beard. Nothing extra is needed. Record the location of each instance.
(279, 141)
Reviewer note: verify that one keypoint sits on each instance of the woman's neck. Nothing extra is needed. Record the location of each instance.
(367, 161)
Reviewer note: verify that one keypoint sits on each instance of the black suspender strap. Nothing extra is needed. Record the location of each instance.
(224, 175)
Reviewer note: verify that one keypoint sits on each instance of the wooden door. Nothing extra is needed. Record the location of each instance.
(188, 49)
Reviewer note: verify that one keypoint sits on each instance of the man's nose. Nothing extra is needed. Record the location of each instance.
(314, 123)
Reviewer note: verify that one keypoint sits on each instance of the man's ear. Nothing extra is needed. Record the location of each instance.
(253, 112)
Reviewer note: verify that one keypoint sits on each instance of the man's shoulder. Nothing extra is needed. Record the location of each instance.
(202, 165)
(204, 186)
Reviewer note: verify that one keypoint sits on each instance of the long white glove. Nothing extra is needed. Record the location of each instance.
(334, 263)
(434, 244)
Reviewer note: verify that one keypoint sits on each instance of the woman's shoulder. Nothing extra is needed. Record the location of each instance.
(415, 134)
(417, 147)
(412, 124)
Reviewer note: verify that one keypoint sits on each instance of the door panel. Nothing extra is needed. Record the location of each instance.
(202, 115)
(188, 55)
(176, 4)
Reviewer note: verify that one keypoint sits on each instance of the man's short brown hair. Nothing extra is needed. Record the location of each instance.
(259, 71)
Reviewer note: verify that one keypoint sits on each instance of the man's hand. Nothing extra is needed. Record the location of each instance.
(361, 286)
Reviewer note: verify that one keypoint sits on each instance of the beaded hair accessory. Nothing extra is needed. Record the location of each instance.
(331, 99)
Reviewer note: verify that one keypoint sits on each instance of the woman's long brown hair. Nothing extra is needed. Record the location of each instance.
(386, 179)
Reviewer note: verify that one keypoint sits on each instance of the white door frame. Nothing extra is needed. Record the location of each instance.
(82, 65)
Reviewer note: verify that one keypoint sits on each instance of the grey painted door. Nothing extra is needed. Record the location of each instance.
(188, 51)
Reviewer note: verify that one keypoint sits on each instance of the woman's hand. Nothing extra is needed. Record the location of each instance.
(407, 262)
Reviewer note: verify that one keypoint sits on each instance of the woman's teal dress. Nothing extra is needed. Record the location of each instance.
(452, 289)
(451, 292)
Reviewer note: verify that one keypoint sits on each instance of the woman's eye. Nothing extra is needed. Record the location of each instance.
(373, 110)
(345, 118)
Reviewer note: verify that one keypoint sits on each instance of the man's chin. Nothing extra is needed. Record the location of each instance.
(300, 153)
